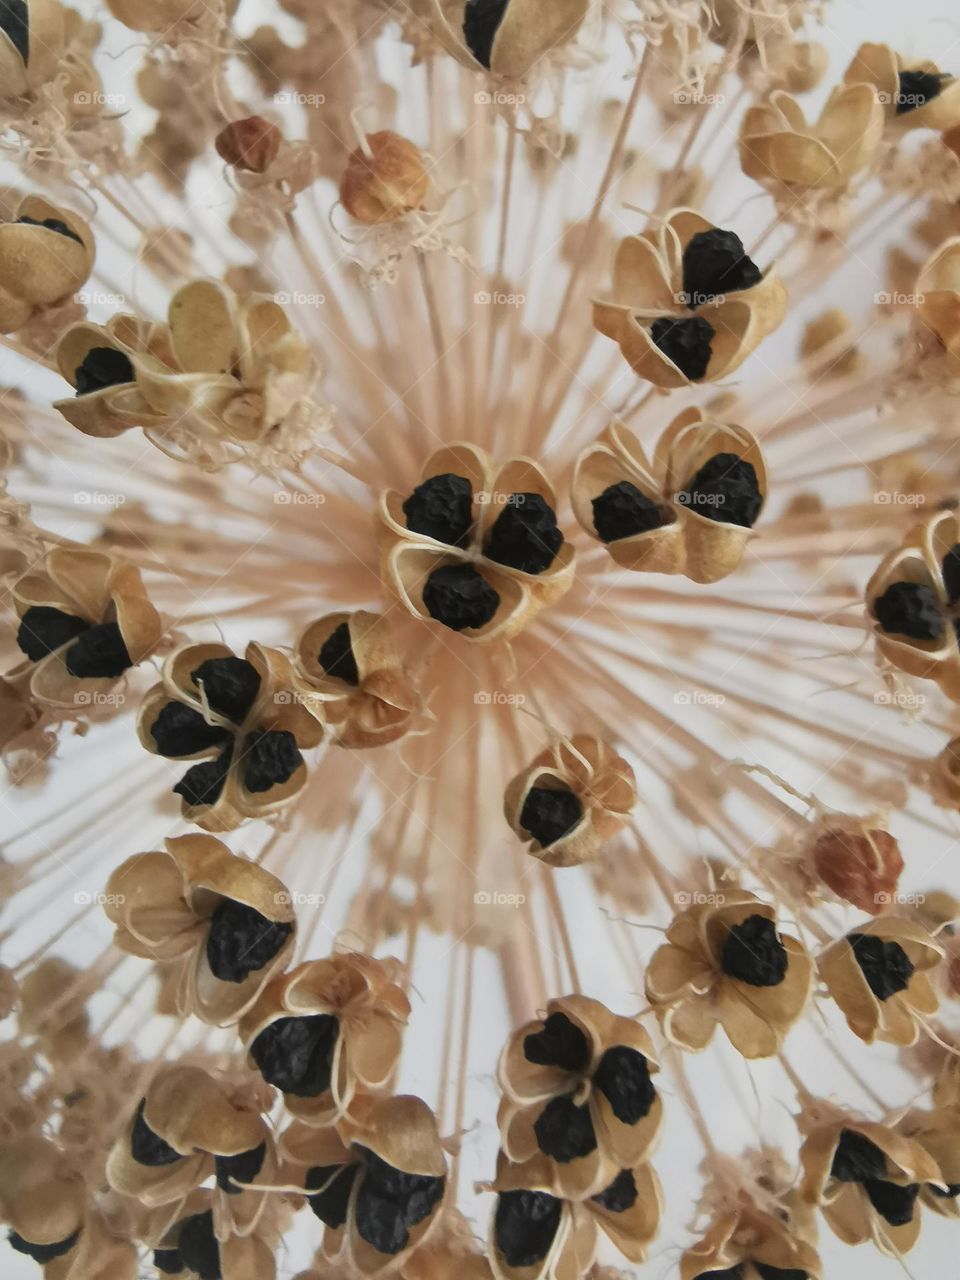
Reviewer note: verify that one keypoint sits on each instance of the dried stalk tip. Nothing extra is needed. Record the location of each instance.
(384, 179)
(250, 144)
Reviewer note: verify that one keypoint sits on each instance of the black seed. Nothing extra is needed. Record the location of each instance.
(725, 489)
(564, 1130)
(910, 609)
(271, 757)
(198, 1246)
(766, 1272)
(857, 1159)
(42, 1253)
(102, 367)
(714, 262)
(51, 224)
(336, 656)
(100, 652)
(548, 814)
(624, 1078)
(525, 1225)
(560, 1044)
(481, 21)
(330, 1204)
(180, 731)
(525, 534)
(728, 1273)
(296, 1054)
(241, 940)
(459, 597)
(917, 88)
(203, 783)
(754, 954)
(441, 508)
(230, 686)
(885, 965)
(147, 1147)
(168, 1261)
(43, 629)
(951, 573)
(950, 1193)
(15, 23)
(685, 342)
(416, 1192)
(622, 510)
(244, 1167)
(621, 1194)
(380, 1221)
(893, 1203)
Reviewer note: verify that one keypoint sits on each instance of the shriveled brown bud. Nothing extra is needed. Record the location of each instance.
(251, 144)
(861, 866)
(384, 180)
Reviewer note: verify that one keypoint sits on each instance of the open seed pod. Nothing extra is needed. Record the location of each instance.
(687, 304)
(475, 547)
(690, 511)
(878, 975)
(241, 719)
(779, 149)
(193, 1244)
(98, 362)
(938, 293)
(913, 598)
(571, 799)
(506, 37)
(350, 663)
(866, 1179)
(46, 255)
(41, 1201)
(725, 962)
(577, 1092)
(228, 923)
(31, 41)
(751, 1245)
(383, 179)
(326, 1030)
(914, 95)
(85, 619)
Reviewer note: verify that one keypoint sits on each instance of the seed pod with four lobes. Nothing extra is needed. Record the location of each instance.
(745, 1242)
(691, 510)
(226, 924)
(46, 255)
(879, 975)
(913, 599)
(31, 43)
(326, 1031)
(41, 1203)
(384, 178)
(507, 37)
(571, 799)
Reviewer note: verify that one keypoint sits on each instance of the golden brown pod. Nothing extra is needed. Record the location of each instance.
(384, 178)
(938, 296)
(46, 255)
(508, 40)
(744, 1239)
(41, 1199)
(913, 94)
(31, 42)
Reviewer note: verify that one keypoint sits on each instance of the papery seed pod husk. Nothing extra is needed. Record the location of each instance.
(526, 33)
(40, 267)
(23, 70)
(384, 179)
(878, 65)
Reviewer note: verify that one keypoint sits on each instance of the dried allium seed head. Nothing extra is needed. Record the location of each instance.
(384, 179)
(251, 144)
(862, 865)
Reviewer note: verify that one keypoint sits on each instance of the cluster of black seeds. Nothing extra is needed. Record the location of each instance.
(15, 24)
(917, 88)
(725, 489)
(686, 342)
(525, 1225)
(910, 609)
(525, 535)
(714, 263)
(336, 655)
(147, 1147)
(331, 1186)
(481, 21)
(296, 1054)
(98, 650)
(549, 813)
(51, 224)
(622, 511)
(442, 508)
(241, 940)
(42, 1253)
(242, 1168)
(460, 597)
(391, 1201)
(102, 367)
(857, 1159)
(885, 965)
(753, 953)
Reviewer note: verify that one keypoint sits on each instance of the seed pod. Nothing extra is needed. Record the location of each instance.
(384, 179)
(507, 37)
(31, 43)
(861, 865)
(46, 255)
(250, 144)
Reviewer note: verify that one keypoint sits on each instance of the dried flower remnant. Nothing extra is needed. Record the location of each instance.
(250, 144)
(879, 976)
(691, 510)
(726, 963)
(570, 800)
(224, 922)
(46, 255)
(385, 177)
(688, 304)
(860, 863)
(914, 95)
